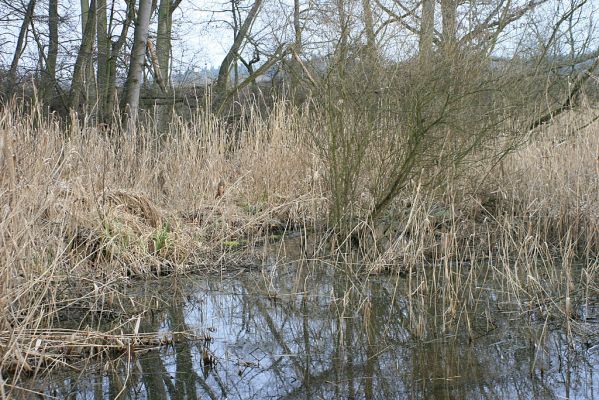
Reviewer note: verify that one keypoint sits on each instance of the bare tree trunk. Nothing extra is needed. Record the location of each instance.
(163, 39)
(162, 62)
(53, 37)
(297, 27)
(294, 65)
(158, 78)
(342, 49)
(132, 87)
(83, 58)
(369, 27)
(12, 73)
(103, 54)
(111, 92)
(88, 17)
(427, 30)
(236, 20)
(84, 15)
(49, 86)
(225, 67)
(449, 22)
(161, 59)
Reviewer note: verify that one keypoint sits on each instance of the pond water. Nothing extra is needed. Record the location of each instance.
(306, 331)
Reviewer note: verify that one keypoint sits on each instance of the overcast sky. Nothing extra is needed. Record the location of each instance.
(202, 40)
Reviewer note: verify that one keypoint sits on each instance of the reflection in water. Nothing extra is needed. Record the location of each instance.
(330, 336)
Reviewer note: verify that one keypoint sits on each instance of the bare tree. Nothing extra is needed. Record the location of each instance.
(449, 22)
(164, 37)
(133, 83)
(232, 54)
(103, 40)
(297, 27)
(84, 57)
(369, 27)
(386, 122)
(427, 30)
(20, 46)
(115, 51)
(108, 53)
(49, 85)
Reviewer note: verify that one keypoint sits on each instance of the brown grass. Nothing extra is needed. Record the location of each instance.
(531, 227)
(82, 213)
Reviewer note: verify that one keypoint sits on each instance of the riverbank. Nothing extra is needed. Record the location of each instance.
(86, 213)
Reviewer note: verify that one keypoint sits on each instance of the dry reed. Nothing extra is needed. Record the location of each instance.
(84, 211)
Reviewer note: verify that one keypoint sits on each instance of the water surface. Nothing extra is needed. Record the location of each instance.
(306, 331)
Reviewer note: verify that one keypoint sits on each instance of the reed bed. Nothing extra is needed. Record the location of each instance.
(528, 229)
(85, 211)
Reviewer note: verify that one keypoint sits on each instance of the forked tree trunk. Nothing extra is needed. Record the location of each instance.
(115, 50)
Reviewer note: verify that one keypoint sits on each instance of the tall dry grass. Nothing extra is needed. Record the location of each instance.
(529, 227)
(84, 210)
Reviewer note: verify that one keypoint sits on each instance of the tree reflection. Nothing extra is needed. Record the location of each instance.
(332, 336)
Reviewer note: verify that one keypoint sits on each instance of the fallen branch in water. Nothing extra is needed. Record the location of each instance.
(34, 349)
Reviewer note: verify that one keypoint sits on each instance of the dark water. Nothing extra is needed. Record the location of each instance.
(300, 332)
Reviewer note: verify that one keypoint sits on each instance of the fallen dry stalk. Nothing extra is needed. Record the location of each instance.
(48, 347)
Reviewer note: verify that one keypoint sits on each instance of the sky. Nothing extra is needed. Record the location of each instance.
(198, 41)
(195, 40)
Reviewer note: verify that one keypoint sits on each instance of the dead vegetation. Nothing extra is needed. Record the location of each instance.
(83, 214)
(38, 350)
